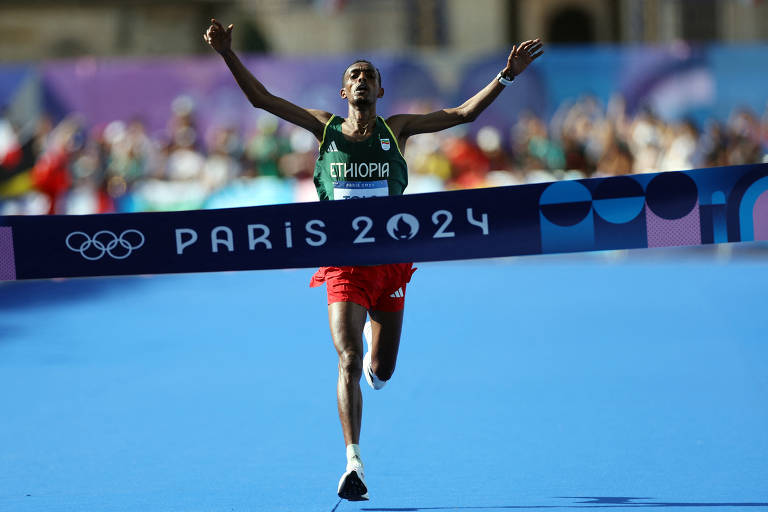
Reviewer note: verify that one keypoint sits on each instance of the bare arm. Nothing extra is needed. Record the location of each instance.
(405, 125)
(220, 40)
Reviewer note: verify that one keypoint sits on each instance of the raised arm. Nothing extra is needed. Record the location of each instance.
(220, 40)
(405, 125)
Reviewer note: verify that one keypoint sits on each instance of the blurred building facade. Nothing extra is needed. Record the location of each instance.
(45, 29)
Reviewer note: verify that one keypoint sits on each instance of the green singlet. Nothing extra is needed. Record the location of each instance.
(351, 170)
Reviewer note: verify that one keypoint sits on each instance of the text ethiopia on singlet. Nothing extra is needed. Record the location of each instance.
(359, 170)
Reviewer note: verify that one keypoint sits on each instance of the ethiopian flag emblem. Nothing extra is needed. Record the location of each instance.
(384, 144)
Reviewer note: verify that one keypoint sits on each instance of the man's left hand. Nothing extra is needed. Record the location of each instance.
(522, 55)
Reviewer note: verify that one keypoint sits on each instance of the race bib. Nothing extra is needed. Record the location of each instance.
(359, 189)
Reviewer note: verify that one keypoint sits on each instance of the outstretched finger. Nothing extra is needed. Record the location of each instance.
(230, 27)
(526, 46)
(531, 52)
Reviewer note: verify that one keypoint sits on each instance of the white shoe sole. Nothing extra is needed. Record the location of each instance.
(352, 487)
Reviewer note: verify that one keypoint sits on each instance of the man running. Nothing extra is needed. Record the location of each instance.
(378, 291)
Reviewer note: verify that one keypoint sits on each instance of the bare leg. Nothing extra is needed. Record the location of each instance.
(386, 328)
(346, 320)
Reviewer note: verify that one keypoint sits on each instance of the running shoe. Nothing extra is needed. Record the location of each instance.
(370, 377)
(352, 483)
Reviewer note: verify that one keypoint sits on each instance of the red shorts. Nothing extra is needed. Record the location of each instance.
(375, 287)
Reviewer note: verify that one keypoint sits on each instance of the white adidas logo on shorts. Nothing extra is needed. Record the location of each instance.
(398, 294)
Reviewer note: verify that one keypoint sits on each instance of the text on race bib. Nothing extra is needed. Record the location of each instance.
(359, 189)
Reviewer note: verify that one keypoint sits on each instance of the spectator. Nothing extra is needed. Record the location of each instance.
(122, 168)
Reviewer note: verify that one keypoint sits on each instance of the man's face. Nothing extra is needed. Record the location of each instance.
(361, 84)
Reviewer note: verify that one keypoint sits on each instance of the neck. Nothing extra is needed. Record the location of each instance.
(362, 119)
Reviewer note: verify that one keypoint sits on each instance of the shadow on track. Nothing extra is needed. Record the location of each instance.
(592, 502)
(35, 294)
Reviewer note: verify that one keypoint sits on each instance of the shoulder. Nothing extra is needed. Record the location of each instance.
(330, 125)
(396, 132)
(397, 123)
(321, 115)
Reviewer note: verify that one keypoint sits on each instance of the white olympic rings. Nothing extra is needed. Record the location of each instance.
(105, 242)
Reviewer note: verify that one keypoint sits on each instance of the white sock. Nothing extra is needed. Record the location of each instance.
(353, 451)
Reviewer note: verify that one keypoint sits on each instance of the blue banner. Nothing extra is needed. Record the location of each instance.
(705, 206)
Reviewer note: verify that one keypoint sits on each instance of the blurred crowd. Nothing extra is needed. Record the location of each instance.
(120, 167)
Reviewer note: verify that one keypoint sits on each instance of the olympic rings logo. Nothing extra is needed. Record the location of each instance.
(105, 242)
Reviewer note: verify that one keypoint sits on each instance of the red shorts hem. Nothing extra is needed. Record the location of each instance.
(374, 287)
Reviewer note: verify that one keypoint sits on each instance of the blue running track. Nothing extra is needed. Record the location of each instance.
(560, 383)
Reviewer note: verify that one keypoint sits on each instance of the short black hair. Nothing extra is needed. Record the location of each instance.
(378, 73)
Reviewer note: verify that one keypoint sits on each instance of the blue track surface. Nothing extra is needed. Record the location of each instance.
(534, 384)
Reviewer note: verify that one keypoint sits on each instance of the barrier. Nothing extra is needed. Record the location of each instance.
(704, 206)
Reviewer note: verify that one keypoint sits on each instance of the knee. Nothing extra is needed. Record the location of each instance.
(351, 363)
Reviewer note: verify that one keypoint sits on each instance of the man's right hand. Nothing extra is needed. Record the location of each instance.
(218, 37)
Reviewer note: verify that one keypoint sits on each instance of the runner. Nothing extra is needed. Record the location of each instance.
(361, 155)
